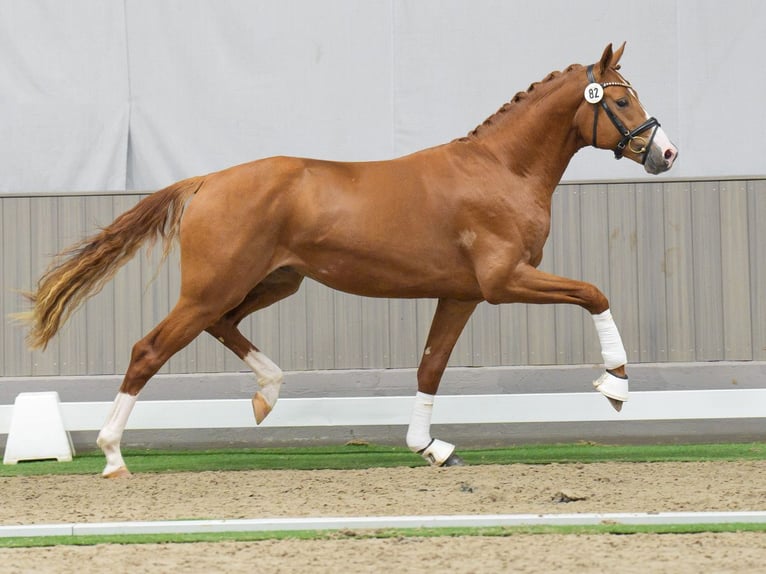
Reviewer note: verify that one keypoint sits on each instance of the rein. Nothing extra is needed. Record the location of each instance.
(594, 96)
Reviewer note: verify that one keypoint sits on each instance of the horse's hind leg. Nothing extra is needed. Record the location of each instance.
(448, 322)
(184, 323)
(276, 286)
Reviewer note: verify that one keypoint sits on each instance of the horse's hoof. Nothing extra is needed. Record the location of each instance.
(453, 460)
(612, 387)
(440, 453)
(121, 472)
(261, 408)
(615, 403)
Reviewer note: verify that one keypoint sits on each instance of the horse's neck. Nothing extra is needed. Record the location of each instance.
(538, 139)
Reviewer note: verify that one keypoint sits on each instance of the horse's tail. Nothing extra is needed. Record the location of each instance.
(83, 269)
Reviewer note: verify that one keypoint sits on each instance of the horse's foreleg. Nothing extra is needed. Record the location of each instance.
(276, 286)
(530, 285)
(172, 334)
(613, 383)
(448, 322)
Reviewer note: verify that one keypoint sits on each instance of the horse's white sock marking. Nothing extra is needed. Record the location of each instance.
(612, 349)
(111, 433)
(268, 374)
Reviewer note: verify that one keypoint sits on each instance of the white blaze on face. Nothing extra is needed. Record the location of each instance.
(662, 140)
(667, 150)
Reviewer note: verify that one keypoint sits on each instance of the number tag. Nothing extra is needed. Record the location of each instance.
(594, 93)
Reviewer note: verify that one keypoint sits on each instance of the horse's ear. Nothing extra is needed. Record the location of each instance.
(611, 59)
(616, 57)
(606, 59)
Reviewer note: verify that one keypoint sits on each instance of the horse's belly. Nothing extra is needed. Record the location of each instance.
(409, 278)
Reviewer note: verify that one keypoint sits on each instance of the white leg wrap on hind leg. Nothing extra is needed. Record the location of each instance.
(612, 349)
(419, 438)
(111, 433)
(268, 374)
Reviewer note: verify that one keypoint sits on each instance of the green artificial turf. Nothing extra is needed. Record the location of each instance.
(370, 456)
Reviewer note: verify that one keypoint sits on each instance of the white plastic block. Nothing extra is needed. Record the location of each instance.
(37, 430)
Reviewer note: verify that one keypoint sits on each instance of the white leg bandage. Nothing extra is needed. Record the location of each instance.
(266, 371)
(612, 349)
(269, 377)
(435, 451)
(419, 431)
(111, 434)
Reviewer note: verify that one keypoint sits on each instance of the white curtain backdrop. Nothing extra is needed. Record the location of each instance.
(64, 110)
(113, 95)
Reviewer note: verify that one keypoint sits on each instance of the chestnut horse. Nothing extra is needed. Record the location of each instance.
(462, 222)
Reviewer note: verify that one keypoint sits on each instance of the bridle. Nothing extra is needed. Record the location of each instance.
(630, 139)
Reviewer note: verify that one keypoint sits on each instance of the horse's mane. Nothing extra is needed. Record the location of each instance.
(519, 98)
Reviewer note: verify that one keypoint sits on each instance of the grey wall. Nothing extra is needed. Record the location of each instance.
(683, 263)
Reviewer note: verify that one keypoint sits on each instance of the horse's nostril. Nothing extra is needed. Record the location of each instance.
(669, 153)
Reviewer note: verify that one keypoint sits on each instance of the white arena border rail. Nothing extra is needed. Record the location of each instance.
(448, 409)
(364, 411)
(376, 523)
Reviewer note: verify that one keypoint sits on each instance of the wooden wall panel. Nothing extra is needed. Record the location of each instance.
(650, 228)
(320, 325)
(679, 272)
(756, 201)
(706, 271)
(682, 262)
(735, 272)
(19, 266)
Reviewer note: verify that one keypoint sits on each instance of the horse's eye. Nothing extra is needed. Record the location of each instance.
(622, 103)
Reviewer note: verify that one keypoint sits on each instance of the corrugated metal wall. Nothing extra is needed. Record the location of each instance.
(683, 263)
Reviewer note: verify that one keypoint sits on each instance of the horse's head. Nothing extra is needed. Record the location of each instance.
(612, 117)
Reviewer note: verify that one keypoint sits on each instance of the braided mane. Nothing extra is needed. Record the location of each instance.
(519, 98)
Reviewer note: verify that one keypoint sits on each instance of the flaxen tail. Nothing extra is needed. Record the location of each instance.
(82, 270)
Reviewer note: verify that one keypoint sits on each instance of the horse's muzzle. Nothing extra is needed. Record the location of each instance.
(661, 155)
